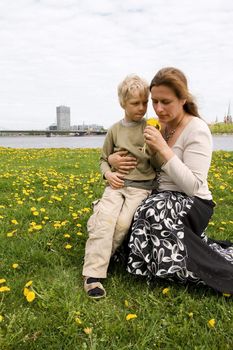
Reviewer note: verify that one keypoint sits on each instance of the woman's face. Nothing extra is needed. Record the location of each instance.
(166, 104)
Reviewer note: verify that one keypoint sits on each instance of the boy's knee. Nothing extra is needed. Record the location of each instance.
(123, 224)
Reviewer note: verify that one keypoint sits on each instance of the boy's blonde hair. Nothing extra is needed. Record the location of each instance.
(131, 83)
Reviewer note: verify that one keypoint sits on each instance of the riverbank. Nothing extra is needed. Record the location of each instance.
(220, 142)
(46, 197)
(221, 128)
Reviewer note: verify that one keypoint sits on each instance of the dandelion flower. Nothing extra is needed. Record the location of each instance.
(1, 318)
(227, 295)
(211, 323)
(78, 321)
(165, 291)
(15, 222)
(15, 265)
(68, 246)
(25, 291)
(154, 122)
(4, 289)
(2, 280)
(130, 317)
(29, 283)
(30, 296)
(126, 303)
(11, 234)
(151, 122)
(87, 330)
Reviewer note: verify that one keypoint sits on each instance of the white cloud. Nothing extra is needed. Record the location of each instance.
(76, 52)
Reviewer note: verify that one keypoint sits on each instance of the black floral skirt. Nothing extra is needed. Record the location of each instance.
(168, 240)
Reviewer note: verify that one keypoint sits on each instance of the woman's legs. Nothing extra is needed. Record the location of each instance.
(166, 241)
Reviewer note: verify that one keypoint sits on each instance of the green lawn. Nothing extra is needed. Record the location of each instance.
(45, 202)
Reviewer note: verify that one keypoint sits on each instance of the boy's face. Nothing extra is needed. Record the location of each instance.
(135, 107)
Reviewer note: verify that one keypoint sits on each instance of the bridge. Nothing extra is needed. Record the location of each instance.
(49, 133)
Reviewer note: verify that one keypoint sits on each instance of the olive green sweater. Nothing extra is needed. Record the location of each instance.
(128, 136)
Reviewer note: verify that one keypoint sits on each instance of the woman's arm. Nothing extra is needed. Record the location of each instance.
(121, 162)
(191, 171)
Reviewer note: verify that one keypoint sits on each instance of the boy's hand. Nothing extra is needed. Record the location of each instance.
(114, 179)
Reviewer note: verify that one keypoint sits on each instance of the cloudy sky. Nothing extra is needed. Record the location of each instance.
(75, 52)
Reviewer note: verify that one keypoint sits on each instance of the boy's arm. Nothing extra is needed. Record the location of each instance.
(107, 149)
(114, 179)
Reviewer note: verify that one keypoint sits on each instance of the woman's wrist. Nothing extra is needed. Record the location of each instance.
(166, 154)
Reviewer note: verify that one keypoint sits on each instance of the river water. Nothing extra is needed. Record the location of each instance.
(220, 142)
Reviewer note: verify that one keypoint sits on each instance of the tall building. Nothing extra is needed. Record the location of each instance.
(63, 118)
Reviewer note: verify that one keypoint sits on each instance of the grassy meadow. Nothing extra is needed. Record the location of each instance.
(46, 197)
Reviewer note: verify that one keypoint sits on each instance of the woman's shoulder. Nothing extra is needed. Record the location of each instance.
(197, 124)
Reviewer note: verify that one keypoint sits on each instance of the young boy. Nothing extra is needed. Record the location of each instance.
(113, 213)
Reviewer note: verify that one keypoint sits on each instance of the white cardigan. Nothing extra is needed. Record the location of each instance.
(187, 170)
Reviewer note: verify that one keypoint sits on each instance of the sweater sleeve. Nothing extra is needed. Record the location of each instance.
(190, 173)
(107, 149)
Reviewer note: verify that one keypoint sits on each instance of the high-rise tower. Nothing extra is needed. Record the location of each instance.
(63, 118)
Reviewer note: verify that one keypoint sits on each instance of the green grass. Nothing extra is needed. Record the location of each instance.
(48, 195)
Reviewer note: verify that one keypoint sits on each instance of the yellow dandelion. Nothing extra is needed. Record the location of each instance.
(30, 296)
(165, 291)
(211, 323)
(154, 122)
(68, 246)
(66, 235)
(151, 122)
(29, 283)
(126, 303)
(87, 330)
(227, 295)
(37, 227)
(78, 321)
(33, 209)
(15, 222)
(15, 265)
(25, 291)
(79, 233)
(35, 213)
(1, 318)
(4, 289)
(130, 317)
(190, 314)
(2, 280)
(11, 234)
(222, 187)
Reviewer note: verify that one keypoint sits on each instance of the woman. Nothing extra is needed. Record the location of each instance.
(167, 238)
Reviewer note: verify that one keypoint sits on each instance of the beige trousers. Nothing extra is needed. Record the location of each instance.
(108, 226)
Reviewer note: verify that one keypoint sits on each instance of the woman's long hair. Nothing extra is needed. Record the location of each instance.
(176, 80)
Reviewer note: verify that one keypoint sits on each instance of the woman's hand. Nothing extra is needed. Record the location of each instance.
(122, 162)
(156, 142)
(114, 179)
